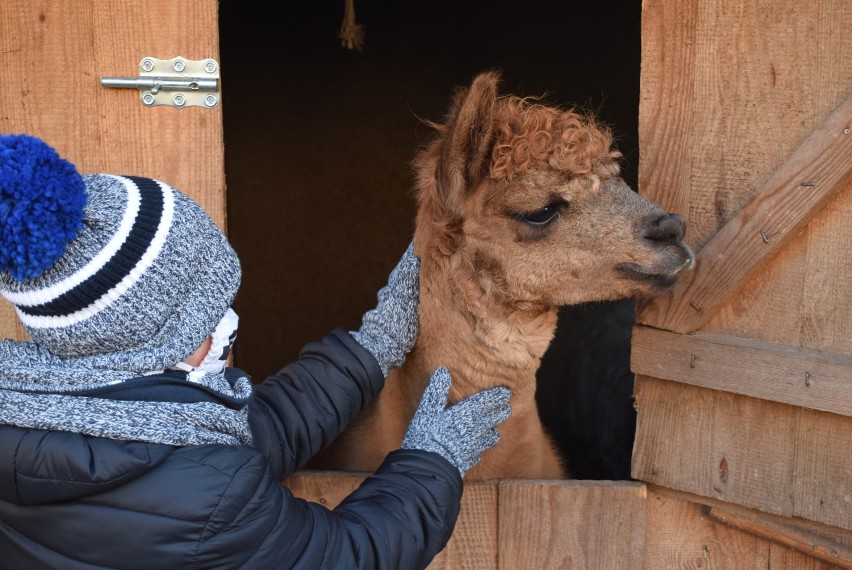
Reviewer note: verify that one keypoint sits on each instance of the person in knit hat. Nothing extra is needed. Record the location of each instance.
(126, 441)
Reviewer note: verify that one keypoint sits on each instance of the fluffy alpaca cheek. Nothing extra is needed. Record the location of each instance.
(552, 284)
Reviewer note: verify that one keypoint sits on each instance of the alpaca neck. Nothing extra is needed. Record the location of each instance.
(483, 341)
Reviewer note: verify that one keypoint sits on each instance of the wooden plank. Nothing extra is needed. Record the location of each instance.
(684, 533)
(784, 558)
(473, 545)
(801, 298)
(796, 191)
(678, 535)
(571, 524)
(786, 533)
(666, 100)
(790, 375)
(821, 473)
(773, 457)
(10, 326)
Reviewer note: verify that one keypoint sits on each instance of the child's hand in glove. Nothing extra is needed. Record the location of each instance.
(388, 331)
(461, 432)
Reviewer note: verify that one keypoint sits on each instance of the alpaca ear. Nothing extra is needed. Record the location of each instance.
(466, 152)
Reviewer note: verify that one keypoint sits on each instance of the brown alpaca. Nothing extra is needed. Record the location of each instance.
(519, 211)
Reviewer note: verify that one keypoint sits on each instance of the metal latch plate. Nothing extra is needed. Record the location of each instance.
(178, 82)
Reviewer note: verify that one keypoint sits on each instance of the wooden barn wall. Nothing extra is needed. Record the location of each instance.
(745, 117)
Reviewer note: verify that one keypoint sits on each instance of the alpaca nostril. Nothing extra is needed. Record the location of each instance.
(669, 228)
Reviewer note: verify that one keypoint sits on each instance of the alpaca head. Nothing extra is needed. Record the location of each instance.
(524, 202)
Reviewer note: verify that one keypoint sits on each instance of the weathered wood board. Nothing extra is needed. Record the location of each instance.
(746, 129)
(684, 532)
(797, 376)
(777, 458)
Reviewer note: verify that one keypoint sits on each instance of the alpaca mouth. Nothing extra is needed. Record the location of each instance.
(641, 274)
(656, 277)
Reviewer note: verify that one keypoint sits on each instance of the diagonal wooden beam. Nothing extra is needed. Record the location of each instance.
(788, 533)
(790, 198)
(827, 543)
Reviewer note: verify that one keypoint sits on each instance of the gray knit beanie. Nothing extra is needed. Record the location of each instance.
(116, 279)
(108, 272)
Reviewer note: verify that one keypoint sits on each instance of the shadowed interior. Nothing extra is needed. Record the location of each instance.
(318, 145)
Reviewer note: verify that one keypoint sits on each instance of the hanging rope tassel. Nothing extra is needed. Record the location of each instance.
(351, 33)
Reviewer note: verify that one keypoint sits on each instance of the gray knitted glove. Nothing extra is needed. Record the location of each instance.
(461, 432)
(388, 331)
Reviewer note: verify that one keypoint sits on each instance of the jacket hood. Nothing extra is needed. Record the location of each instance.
(40, 467)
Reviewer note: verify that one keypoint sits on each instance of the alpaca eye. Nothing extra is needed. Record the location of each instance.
(541, 217)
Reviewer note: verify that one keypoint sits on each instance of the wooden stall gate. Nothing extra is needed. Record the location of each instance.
(744, 371)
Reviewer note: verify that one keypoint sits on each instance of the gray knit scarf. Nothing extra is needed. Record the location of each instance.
(37, 391)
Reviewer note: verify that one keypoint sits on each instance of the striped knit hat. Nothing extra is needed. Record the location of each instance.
(110, 272)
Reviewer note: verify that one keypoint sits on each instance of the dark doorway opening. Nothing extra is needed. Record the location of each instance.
(318, 143)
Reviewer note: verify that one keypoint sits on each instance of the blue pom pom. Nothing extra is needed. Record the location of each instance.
(42, 198)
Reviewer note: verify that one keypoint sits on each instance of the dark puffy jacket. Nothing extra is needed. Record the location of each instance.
(73, 501)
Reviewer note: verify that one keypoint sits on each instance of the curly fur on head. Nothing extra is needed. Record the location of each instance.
(530, 134)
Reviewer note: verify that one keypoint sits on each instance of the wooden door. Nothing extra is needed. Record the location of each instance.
(744, 370)
(53, 55)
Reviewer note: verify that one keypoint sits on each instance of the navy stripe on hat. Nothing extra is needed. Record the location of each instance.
(119, 265)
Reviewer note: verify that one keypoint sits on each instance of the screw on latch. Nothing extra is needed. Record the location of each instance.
(179, 65)
(179, 100)
(147, 65)
(210, 66)
(148, 99)
(211, 100)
